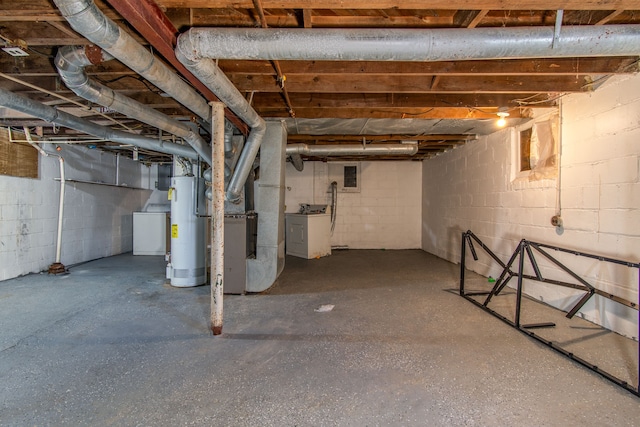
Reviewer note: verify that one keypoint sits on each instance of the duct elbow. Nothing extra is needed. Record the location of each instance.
(297, 162)
(199, 145)
(186, 49)
(297, 150)
(87, 19)
(245, 163)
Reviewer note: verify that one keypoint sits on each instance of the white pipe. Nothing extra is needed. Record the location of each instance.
(27, 133)
(351, 150)
(117, 168)
(52, 115)
(217, 217)
(408, 44)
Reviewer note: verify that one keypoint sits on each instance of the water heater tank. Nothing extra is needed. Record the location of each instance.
(187, 266)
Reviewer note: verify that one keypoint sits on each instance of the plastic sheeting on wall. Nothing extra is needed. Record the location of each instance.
(544, 149)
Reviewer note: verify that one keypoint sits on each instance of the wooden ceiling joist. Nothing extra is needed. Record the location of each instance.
(408, 4)
(459, 91)
(506, 67)
(408, 100)
(411, 84)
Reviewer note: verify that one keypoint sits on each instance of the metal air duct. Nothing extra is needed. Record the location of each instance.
(447, 44)
(352, 150)
(52, 115)
(71, 61)
(85, 17)
(212, 76)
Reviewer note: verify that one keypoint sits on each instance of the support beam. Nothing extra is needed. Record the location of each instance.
(217, 217)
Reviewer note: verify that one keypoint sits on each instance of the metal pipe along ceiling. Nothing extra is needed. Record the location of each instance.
(87, 19)
(71, 61)
(352, 150)
(52, 115)
(413, 44)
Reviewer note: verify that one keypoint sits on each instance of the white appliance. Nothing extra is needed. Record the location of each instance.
(308, 236)
(150, 235)
(187, 265)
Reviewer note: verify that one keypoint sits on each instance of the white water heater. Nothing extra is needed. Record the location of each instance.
(187, 265)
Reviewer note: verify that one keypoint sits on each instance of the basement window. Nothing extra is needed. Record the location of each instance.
(536, 149)
(17, 157)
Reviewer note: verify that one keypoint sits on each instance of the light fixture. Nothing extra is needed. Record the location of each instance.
(501, 121)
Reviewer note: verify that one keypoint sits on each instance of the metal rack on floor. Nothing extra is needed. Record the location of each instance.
(528, 250)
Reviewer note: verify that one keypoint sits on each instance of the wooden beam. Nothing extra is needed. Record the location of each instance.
(64, 29)
(412, 4)
(307, 18)
(478, 18)
(58, 41)
(434, 82)
(361, 21)
(484, 101)
(410, 84)
(463, 18)
(393, 113)
(221, 18)
(609, 17)
(41, 15)
(541, 67)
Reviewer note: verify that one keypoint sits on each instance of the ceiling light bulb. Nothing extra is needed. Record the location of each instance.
(501, 121)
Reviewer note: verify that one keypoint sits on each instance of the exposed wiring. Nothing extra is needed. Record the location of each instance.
(140, 79)
(542, 101)
(36, 51)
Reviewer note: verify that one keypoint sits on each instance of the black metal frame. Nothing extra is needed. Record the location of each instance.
(525, 248)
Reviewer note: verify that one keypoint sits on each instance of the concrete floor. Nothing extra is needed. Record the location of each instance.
(110, 344)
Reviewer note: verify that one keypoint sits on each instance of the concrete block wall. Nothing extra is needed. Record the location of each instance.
(472, 188)
(97, 219)
(385, 214)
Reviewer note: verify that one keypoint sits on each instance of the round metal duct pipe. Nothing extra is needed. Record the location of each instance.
(71, 62)
(52, 115)
(352, 150)
(446, 44)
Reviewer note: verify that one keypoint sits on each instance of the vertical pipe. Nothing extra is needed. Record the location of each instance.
(217, 217)
(60, 210)
(462, 262)
(27, 134)
(519, 289)
(117, 169)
